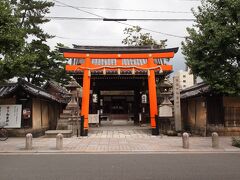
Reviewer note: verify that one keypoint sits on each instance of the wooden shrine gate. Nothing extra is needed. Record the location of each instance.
(90, 61)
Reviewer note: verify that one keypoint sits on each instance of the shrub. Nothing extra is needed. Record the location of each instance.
(236, 141)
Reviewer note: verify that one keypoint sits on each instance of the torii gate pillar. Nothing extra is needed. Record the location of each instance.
(85, 98)
(152, 98)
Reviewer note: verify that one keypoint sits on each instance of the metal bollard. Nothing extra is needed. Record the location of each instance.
(28, 145)
(185, 139)
(215, 140)
(59, 141)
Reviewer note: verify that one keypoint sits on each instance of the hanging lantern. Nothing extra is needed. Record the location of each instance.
(144, 98)
(95, 98)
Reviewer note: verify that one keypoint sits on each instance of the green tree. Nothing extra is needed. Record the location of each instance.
(11, 38)
(34, 60)
(212, 49)
(134, 37)
(58, 72)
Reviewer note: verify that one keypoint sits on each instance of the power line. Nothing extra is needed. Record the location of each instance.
(74, 7)
(116, 19)
(75, 38)
(61, 37)
(150, 30)
(146, 29)
(129, 10)
(74, 18)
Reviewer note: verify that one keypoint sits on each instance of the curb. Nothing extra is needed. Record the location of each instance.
(118, 152)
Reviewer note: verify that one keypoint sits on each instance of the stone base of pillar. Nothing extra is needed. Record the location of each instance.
(84, 132)
(155, 131)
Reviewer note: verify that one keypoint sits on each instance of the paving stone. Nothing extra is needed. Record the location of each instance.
(118, 139)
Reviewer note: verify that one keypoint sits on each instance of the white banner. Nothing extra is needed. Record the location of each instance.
(93, 118)
(10, 116)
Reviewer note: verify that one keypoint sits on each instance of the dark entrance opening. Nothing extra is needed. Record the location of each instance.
(118, 105)
(119, 98)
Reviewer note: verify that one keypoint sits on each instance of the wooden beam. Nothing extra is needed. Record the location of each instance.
(73, 68)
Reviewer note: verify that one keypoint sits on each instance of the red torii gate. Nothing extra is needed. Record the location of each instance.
(118, 53)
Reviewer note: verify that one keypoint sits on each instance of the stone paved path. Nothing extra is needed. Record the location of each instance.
(116, 139)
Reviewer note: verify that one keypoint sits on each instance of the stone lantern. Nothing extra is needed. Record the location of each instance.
(166, 107)
(73, 87)
(69, 118)
(73, 107)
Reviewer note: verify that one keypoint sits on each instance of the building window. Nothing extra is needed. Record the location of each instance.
(184, 86)
(184, 81)
(184, 76)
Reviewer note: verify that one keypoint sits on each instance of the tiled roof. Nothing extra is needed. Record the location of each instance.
(64, 96)
(196, 90)
(117, 49)
(8, 89)
(56, 86)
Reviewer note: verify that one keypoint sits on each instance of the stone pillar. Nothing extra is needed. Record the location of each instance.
(185, 139)
(215, 140)
(59, 141)
(177, 104)
(28, 145)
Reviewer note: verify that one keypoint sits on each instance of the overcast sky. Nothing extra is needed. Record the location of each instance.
(79, 32)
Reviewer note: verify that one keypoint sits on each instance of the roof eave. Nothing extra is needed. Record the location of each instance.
(124, 51)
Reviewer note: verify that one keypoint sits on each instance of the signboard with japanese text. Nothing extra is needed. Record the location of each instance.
(10, 116)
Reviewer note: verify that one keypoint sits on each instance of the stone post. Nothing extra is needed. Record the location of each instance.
(177, 103)
(185, 139)
(28, 145)
(59, 141)
(215, 140)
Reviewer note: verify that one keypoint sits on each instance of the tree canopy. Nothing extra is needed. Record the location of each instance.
(212, 49)
(134, 37)
(11, 38)
(33, 59)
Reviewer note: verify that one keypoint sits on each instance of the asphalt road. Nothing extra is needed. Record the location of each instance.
(120, 166)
